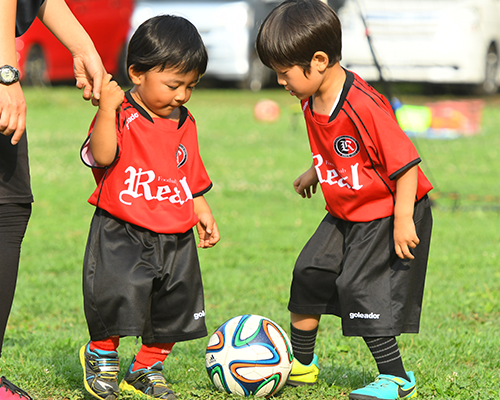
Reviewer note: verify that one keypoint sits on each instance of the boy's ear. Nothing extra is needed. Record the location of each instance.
(135, 76)
(320, 61)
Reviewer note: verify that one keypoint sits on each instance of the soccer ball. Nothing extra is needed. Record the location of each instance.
(249, 355)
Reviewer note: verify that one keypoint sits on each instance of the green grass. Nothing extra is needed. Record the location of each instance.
(264, 225)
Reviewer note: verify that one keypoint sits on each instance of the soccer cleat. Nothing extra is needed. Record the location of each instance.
(9, 391)
(303, 374)
(149, 382)
(387, 387)
(100, 372)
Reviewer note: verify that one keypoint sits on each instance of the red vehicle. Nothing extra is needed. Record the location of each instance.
(43, 59)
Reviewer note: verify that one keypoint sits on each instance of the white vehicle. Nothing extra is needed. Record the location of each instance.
(436, 41)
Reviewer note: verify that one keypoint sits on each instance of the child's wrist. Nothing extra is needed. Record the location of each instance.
(107, 110)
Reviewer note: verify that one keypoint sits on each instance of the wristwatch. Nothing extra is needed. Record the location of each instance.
(8, 75)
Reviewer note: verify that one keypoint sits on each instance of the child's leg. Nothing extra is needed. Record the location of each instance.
(303, 330)
(313, 293)
(305, 322)
(150, 354)
(385, 351)
(305, 368)
(109, 344)
(393, 382)
(101, 365)
(144, 375)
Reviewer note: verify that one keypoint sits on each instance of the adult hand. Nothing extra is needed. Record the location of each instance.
(89, 73)
(12, 111)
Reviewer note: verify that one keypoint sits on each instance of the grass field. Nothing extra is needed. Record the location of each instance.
(264, 225)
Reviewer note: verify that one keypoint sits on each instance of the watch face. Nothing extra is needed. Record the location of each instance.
(8, 74)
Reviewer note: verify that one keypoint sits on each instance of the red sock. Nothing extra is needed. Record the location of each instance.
(150, 354)
(109, 344)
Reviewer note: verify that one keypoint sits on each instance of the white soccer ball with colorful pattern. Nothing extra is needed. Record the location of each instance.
(249, 355)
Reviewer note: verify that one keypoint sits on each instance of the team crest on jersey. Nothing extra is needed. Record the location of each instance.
(182, 156)
(346, 146)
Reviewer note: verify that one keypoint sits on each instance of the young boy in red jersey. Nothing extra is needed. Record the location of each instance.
(367, 261)
(141, 274)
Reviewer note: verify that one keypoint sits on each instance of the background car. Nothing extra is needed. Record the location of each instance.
(437, 41)
(43, 59)
(228, 29)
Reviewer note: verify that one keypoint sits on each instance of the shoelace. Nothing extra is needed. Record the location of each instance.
(383, 382)
(13, 388)
(108, 368)
(156, 378)
(110, 376)
(380, 383)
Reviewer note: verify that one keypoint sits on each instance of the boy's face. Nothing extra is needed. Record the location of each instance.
(300, 84)
(160, 93)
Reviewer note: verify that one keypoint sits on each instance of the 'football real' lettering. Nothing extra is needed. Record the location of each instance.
(332, 174)
(138, 185)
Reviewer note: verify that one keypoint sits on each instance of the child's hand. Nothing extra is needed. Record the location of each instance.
(111, 95)
(405, 235)
(405, 238)
(207, 231)
(305, 182)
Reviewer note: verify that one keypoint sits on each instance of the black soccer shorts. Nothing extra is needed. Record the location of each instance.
(140, 283)
(350, 269)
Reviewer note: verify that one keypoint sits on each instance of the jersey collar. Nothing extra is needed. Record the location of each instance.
(145, 114)
(349, 80)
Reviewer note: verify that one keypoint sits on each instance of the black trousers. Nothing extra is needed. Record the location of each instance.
(13, 222)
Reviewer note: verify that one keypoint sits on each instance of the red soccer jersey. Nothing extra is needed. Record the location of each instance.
(157, 172)
(358, 152)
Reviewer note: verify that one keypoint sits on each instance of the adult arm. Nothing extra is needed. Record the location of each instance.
(89, 71)
(59, 19)
(12, 102)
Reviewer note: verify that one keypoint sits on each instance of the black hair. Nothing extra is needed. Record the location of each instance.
(167, 41)
(295, 30)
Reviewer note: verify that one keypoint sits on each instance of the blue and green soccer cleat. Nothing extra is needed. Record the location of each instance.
(149, 382)
(100, 372)
(387, 387)
(303, 374)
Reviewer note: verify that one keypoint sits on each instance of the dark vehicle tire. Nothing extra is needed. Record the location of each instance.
(35, 68)
(490, 85)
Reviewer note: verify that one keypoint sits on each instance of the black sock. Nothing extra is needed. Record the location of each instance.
(303, 344)
(385, 350)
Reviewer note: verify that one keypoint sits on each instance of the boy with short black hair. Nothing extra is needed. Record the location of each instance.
(367, 261)
(141, 274)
